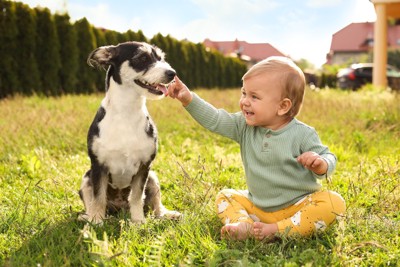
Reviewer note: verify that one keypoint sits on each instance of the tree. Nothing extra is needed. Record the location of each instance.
(140, 37)
(239, 71)
(133, 36)
(68, 53)
(47, 52)
(160, 41)
(177, 56)
(305, 65)
(122, 38)
(111, 37)
(8, 49)
(201, 57)
(86, 44)
(25, 58)
(192, 60)
(182, 61)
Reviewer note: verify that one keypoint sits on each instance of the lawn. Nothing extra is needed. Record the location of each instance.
(43, 157)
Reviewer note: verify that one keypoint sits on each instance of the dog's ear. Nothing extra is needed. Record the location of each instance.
(102, 56)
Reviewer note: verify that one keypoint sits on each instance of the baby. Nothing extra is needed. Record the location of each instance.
(283, 158)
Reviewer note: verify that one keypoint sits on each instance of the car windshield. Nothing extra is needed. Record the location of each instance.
(365, 70)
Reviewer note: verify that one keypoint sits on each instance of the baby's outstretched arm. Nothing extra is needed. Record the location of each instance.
(177, 89)
(313, 162)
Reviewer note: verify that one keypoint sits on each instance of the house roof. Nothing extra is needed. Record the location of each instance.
(353, 37)
(252, 51)
(358, 37)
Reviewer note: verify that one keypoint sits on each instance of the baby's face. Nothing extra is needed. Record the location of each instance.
(260, 100)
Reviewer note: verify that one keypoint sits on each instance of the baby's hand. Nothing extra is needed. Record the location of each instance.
(177, 89)
(313, 162)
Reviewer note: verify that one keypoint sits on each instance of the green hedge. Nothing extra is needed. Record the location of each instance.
(46, 54)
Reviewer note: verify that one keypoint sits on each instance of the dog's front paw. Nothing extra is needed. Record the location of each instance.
(138, 220)
(91, 219)
(83, 217)
(137, 217)
(170, 215)
(173, 215)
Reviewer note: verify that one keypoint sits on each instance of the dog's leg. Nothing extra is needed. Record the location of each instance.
(153, 199)
(94, 196)
(153, 195)
(136, 197)
(86, 194)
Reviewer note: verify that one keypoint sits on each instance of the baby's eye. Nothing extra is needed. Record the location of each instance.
(254, 97)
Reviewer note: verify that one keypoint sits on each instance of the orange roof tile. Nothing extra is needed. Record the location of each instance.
(256, 51)
(355, 37)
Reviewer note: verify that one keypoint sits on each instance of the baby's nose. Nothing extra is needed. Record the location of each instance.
(244, 101)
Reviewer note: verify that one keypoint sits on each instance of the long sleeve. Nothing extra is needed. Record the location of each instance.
(215, 120)
(274, 178)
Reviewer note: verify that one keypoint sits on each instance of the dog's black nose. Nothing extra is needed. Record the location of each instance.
(170, 73)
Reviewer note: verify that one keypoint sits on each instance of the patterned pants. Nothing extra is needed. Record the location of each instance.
(311, 214)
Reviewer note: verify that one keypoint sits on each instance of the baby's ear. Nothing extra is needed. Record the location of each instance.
(284, 106)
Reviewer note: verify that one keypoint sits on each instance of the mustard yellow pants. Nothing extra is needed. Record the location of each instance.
(313, 213)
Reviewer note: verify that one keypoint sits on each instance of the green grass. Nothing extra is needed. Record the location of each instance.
(43, 157)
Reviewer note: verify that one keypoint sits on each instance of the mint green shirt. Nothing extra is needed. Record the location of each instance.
(274, 178)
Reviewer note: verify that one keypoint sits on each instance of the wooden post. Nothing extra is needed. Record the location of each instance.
(380, 46)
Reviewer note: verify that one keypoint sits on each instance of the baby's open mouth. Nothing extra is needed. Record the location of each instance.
(155, 88)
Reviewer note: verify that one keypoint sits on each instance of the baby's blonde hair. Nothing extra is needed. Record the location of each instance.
(291, 77)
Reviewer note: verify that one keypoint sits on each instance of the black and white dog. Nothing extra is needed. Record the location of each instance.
(122, 139)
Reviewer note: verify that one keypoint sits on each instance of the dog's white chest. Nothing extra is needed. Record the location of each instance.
(123, 145)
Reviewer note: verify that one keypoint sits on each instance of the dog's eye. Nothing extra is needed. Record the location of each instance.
(158, 57)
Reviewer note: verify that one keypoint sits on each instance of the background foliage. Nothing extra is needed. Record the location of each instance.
(46, 54)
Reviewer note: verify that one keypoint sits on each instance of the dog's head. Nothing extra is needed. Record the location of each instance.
(135, 65)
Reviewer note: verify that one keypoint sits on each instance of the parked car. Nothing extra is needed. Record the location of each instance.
(360, 74)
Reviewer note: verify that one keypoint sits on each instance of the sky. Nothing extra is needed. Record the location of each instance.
(301, 29)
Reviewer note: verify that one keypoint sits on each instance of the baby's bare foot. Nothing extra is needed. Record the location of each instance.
(263, 230)
(237, 231)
